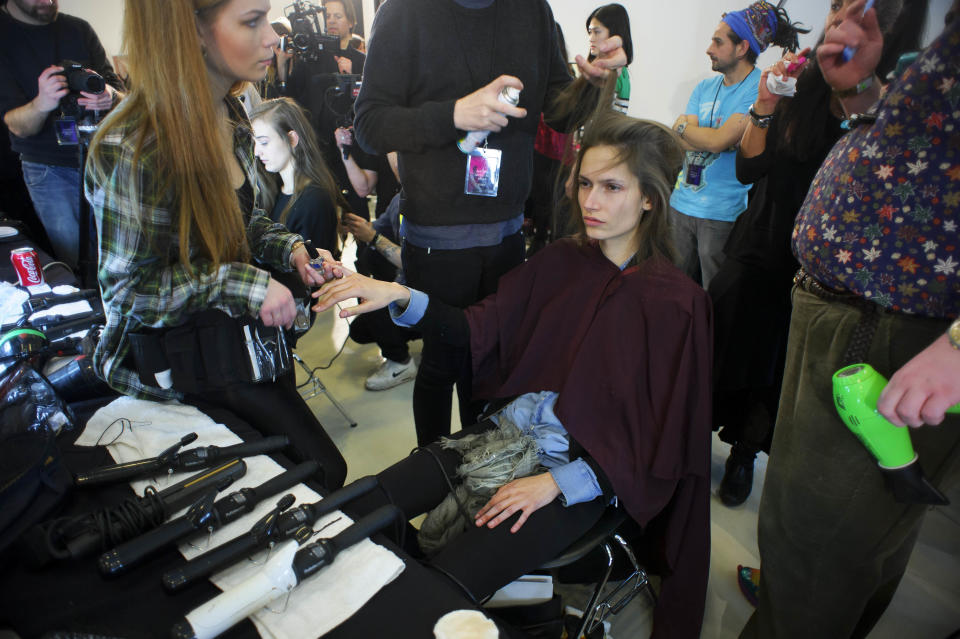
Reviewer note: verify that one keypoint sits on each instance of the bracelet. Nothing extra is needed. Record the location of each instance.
(760, 121)
(856, 89)
(376, 236)
(953, 334)
(681, 128)
(296, 247)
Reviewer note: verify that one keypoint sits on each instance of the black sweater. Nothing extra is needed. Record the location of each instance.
(426, 54)
(313, 216)
(25, 51)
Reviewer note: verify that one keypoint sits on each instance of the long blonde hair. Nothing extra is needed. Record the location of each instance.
(170, 106)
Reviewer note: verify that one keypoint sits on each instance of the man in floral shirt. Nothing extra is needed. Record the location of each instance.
(878, 243)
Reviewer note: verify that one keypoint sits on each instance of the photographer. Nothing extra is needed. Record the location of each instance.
(36, 38)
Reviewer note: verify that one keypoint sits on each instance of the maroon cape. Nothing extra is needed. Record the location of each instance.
(630, 354)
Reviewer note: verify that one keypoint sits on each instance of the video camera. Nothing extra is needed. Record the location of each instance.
(307, 39)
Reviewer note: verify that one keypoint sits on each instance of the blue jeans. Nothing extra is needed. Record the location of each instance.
(55, 191)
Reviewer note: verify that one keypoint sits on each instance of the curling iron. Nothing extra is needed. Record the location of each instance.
(205, 514)
(856, 389)
(85, 534)
(277, 526)
(170, 460)
(289, 566)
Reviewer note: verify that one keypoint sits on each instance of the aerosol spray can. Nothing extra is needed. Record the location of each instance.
(473, 139)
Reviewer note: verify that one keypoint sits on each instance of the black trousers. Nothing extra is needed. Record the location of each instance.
(459, 278)
(481, 560)
(276, 408)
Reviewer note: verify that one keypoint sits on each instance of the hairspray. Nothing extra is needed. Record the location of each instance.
(473, 139)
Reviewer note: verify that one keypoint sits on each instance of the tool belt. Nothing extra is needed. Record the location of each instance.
(211, 351)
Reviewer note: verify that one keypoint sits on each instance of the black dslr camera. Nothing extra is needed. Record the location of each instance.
(78, 79)
(307, 40)
(76, 124)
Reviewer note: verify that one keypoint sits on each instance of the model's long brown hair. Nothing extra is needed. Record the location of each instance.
(652, 153)
(169, 107)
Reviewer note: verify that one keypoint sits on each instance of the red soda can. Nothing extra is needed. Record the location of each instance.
(27, 265)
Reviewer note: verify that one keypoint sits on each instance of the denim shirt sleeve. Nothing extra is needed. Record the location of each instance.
(414, 311)
(577, 482)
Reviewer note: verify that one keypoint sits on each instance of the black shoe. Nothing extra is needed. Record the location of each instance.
(737, 480)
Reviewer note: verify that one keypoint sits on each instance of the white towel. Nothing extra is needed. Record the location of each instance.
(316, 606)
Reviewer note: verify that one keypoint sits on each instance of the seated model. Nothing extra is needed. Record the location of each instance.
(600, 350)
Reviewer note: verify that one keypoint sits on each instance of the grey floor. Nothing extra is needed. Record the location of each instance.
(927, 605)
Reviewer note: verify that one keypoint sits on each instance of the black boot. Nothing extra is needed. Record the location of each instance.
(738, 477)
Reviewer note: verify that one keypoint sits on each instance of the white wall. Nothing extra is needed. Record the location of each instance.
(669, 39)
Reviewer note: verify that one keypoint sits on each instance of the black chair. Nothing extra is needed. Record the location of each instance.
(604, 535)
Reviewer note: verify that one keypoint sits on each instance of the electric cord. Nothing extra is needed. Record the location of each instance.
(326, 366)
(112, 525)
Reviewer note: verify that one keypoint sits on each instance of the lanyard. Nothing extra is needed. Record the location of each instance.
(719, 86)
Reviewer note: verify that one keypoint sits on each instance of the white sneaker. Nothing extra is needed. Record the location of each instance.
(391, 374)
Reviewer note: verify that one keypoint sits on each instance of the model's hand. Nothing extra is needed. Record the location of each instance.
(278, 308)
(344, 137)
(924, 388)
(344, 64)
(527, 494)
(373, 294)
(362, 229)
(51, 86)
(482, 110)
(859, 31)
(610, 56)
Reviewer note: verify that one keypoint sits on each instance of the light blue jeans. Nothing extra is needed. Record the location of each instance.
(55, 191)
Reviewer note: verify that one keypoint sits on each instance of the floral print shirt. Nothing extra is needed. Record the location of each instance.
(882, 215)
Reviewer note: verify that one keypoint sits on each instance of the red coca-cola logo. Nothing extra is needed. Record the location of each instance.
(28, 268)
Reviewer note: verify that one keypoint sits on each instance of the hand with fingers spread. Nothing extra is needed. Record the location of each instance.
(924, 388)
(525, 495)
(859, 31)
(278, 308)
(373, 294)
(610, 56)
(482, 110)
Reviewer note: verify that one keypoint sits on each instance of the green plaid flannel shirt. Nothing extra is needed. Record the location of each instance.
(142, 282)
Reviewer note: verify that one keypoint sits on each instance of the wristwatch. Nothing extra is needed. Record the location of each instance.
(953, 334)
(681, 128)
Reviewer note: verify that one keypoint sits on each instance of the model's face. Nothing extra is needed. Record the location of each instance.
(239, 41)
(723, 53)
(597, 34)
(270, 147)
(42, 11)
(610, 199)
(337, 22)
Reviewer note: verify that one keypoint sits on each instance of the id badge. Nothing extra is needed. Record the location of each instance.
(483, 172)
(67, 132)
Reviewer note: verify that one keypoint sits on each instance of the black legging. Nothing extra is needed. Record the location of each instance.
(276, 408)
(481, 560)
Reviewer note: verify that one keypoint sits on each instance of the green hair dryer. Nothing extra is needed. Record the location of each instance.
(856, 389)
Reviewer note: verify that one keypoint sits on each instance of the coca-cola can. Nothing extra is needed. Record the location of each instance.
(28, 266)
